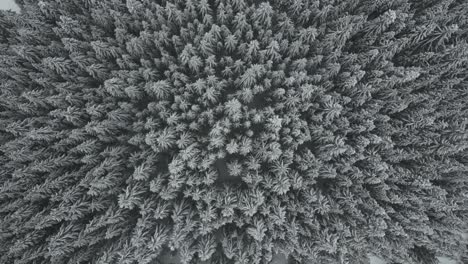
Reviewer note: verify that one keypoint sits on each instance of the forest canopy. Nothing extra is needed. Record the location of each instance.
(229, 131)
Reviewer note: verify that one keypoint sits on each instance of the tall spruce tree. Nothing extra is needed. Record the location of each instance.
(228, 131)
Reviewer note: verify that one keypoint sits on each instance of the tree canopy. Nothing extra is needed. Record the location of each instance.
(228, 131)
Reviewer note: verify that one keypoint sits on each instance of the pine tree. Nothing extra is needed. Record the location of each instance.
(232, 131)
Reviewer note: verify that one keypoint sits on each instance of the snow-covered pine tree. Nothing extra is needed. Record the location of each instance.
(233, 131)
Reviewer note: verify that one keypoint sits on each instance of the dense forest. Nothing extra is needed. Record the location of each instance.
(230, 131)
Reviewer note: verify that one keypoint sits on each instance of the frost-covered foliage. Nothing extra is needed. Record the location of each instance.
(227, 131)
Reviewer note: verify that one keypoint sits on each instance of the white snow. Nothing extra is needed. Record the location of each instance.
(8, 5)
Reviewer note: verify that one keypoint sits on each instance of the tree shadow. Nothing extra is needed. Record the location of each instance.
(224, 177)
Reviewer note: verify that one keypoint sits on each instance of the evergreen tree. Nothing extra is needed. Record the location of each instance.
(233, 131)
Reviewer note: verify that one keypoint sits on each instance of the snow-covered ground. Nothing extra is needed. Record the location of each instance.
(8, 4)
(442, 260)
(281, 259)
